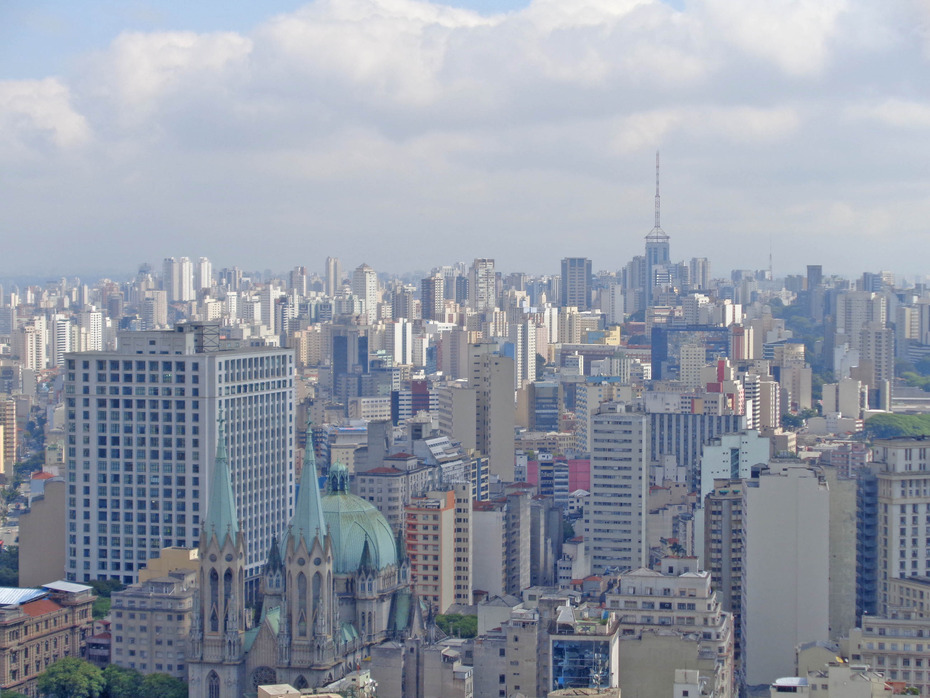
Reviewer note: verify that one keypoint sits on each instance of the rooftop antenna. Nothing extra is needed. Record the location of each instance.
(657, 190)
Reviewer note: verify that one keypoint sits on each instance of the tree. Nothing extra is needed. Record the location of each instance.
(162, 686)
(12, 694)
(121, 682)
(458, 625)
(71, 677)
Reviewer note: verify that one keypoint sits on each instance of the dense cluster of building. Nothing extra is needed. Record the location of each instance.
(296, 476)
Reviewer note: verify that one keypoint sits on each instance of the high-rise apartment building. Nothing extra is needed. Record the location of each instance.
(178, 279)
(142, 425)
(482, 285)
(365, 287)
(576, 282)
(432, 297)
(203, 275)
(492, 377)
(333, 277)
(614, 516)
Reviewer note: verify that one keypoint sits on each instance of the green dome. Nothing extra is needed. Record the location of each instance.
(352, 521)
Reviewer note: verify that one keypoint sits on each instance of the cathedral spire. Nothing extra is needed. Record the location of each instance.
(308, 514)
(221, 517)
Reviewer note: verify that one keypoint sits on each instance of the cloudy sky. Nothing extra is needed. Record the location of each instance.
(409, 134)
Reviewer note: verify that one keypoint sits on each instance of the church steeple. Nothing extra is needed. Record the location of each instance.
(221, 517)
(308, 521)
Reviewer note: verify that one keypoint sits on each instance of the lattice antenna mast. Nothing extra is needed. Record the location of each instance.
(657, 190)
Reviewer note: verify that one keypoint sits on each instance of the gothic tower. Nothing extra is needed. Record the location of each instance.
(215, 657)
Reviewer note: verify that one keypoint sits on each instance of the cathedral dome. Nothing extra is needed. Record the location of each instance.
(352, 521)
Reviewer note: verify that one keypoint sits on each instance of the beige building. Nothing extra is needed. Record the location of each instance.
(392, 486)
(429, 533)
(151, 622)
(898, 648)
(39, 627)
(671, 620)
(903, 471)
(492, 377)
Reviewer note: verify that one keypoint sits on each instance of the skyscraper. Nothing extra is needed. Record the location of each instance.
(178, 279)
(614, 516)
(657, 248)
(365, 287)
(333, 276)
(432, 297)
(482, 285)
(143, 422)
(576, 282)
(492, 377)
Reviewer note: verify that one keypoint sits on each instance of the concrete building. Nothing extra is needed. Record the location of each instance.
(614, 525)
(142, 424)
(896, 647)
(492, 377)
(39, 627)
(502, 525)
(151, 622)
(786, 569)
(902, 471)
(42, 555)
(576, 282)
(671, 620)
(429, 536)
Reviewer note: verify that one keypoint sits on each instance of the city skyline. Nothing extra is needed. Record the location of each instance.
(420, 132)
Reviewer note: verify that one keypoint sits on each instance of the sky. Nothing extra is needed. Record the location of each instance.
(410, 134)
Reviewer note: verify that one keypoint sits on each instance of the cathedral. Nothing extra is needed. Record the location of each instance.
(335, 584)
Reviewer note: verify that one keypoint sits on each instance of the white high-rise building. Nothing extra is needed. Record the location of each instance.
(59, 339)
(365, 286)
(143, 423)
(203, 274)
(92, 321)
(178, 279)
(614, 515)
(333, 280)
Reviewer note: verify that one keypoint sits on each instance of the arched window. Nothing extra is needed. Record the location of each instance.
(302, 604)
(214, 600)
(301, 682)
(227, 593)
(263, 676)
(213, 685)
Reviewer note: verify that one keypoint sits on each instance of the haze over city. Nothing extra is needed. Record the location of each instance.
(423, 133)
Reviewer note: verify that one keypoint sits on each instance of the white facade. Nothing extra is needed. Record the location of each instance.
(142, 431)
(786, 570)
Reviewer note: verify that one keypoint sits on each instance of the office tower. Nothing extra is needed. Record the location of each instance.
(332, 277)
(614, 516)
(786, 570)
(902, 471)
(856, 310)
(365, 287)
(143, 422)
(432, 297)
(482, 286)
(178, 279)
(203, 275)
(492, 377)
(699, 273)
(814, 276)
(576, 282)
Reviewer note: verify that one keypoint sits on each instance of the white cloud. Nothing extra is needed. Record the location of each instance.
(39, 113)
(374, 115)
